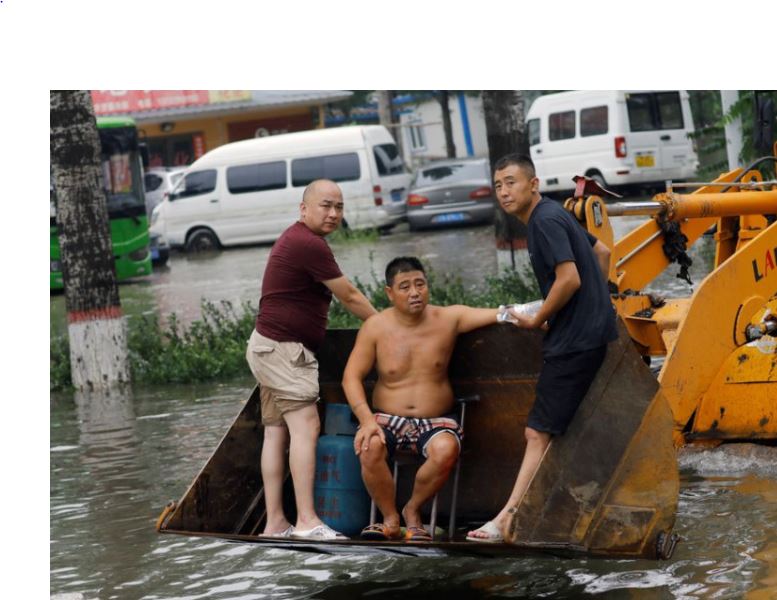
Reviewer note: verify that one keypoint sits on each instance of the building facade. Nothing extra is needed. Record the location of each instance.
(179, 126)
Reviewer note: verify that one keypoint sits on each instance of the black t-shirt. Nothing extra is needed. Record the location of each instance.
(587, 321)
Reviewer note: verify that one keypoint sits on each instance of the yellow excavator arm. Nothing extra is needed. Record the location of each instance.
(720, 371)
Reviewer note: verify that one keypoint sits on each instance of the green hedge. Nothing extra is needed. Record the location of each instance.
(214, 346)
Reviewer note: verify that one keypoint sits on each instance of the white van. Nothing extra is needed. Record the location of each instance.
(250, 191)
(616, 137)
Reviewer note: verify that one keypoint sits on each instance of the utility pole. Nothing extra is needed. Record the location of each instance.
(96, 327)
(733, 130)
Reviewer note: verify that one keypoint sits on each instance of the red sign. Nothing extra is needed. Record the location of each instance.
(108, 102)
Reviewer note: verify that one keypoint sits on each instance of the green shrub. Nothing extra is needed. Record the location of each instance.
(213, 347)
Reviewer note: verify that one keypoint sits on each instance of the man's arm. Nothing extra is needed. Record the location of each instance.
(602, 253)
(564, 287)
(359, 364)
(469, 318)
(352, 298)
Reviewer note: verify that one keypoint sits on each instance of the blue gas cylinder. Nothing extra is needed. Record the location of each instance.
(341, 499)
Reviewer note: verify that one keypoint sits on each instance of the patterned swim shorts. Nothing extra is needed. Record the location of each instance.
(411, 434)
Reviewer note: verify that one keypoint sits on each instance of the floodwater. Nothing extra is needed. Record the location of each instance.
(116, 460)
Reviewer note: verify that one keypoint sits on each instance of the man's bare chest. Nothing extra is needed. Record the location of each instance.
(424, 350)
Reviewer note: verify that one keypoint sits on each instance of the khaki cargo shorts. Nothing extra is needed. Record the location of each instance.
(287, 373)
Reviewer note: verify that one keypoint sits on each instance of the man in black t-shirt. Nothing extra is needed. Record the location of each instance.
(571, 267)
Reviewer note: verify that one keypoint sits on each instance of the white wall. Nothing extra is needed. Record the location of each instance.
(428, 116)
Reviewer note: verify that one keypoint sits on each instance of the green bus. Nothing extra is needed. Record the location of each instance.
(123, 180)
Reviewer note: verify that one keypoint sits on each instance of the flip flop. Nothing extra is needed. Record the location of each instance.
(318, 533)
(494, 535)
(281, 534)
(381, 532)
(417, 534)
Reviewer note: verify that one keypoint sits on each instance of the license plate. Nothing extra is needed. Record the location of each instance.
(396, 195)
(646, 160)
(154, 253)
(449, 218)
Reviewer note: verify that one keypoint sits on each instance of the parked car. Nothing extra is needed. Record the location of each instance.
(158, 183)
(451, 192)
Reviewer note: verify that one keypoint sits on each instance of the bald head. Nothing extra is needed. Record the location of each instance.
(321, 187)
(321, 209)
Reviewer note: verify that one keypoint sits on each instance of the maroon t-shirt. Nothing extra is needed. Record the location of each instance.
(295, 304)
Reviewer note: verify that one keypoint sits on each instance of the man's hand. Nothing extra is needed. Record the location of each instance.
(525, 322)
(364, 435)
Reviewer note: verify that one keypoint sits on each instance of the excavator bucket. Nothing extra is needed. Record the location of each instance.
(610, 484)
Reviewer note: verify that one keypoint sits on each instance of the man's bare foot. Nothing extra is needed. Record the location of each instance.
(382, 531)
(412, 517)
(276, 527)
(489, 532)
(309, 523)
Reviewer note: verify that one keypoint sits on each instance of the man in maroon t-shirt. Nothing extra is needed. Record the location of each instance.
(298, 284)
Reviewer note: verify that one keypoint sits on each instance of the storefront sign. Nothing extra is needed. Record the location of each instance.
(108, 102)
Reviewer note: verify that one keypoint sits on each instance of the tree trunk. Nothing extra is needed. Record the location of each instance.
(450, 147)
(733, 129)
(96, 328)
(384, 109)
(506, 134)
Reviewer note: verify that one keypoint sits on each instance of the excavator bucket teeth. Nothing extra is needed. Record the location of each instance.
(610, 484)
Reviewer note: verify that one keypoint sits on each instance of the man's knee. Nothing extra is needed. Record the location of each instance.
(375, 453)
(303, 421)
(443, 449)
(276, 433)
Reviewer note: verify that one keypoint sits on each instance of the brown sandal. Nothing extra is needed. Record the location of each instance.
(381, 532)
(417, 534)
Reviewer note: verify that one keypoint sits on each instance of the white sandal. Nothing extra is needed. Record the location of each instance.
(493, 534)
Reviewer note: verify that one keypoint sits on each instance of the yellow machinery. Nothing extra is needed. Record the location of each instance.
(720, 371)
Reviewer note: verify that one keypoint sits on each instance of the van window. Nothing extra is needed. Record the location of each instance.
(255, 178)
(337, 167)
(655, 110)
(388, 159)
(196, 183)
(593, 121)
(562, 125)
(670, 112)
(534, 131)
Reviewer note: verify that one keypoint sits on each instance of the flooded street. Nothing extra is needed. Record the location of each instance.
(236, 274)
(115, 461)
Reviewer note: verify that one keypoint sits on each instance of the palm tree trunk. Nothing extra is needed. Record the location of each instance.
(506, 134)
(96, 328)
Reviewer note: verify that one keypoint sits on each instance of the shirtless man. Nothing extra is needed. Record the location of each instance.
(412, 343)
